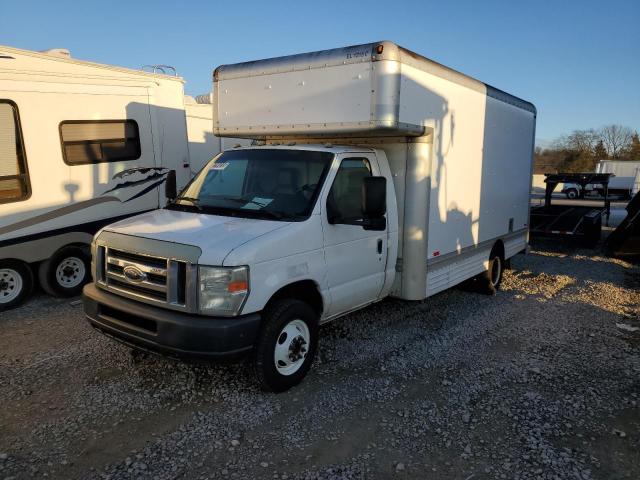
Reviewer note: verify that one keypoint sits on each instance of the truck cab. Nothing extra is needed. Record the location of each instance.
(258, 230)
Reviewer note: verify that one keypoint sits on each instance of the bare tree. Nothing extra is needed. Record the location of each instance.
(616, 139)
(583, 141)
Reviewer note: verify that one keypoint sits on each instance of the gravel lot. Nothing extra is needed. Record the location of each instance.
(540, 381)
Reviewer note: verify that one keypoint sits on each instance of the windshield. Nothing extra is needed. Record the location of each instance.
(262, 183)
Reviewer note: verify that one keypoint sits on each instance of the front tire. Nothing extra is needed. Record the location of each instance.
(65, 272)
(16, 283)
(286, 346)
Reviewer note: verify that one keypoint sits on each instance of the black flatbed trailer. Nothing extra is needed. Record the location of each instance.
(573, 221)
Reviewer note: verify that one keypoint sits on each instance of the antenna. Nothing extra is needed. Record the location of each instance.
(160, 69)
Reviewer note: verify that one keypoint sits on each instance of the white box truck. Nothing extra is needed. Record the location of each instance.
(625, 180)
(626, 175)
(81, 146)
(379, 173)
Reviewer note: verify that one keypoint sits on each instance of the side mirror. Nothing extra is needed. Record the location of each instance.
(374, 196)
(374, 203)
(170, 186)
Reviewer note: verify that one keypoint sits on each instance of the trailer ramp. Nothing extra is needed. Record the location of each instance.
(624, 241)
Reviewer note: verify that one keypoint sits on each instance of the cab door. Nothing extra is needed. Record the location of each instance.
(355, 257)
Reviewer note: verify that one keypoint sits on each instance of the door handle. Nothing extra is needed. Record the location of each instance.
(379, 246)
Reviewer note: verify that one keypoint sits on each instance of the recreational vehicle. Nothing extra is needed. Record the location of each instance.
(83, 145)
(380, 173)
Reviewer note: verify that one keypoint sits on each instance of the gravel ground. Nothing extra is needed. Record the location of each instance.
(539, 381)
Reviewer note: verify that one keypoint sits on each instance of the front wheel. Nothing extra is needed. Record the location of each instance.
(287, 345)
(16, 283)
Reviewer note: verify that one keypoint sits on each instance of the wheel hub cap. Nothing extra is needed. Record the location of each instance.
(10, 285)
(291, 347)
(70, 272)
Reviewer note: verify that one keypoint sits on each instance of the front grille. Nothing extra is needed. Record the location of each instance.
(143, 277)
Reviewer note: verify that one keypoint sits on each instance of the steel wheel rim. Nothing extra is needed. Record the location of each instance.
(496, 268)
(70, 272)
(292, 346)
(11, 285)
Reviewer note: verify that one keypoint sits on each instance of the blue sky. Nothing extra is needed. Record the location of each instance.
(578, 61)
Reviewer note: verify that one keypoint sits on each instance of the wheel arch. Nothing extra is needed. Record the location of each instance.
(498, 249)
(307, 291)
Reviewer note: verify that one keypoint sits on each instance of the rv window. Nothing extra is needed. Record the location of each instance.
(345, 196)
(99, 141)
(14, 178)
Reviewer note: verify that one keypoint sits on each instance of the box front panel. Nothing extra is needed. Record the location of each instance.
(319, 100)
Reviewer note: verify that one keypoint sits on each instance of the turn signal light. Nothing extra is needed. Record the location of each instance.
(241, 286)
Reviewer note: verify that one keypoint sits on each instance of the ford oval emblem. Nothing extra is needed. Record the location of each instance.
(134, 274)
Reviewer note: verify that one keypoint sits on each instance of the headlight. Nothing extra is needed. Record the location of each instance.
(223, 290)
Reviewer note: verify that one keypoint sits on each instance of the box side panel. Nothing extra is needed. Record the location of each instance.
(456, 269)
(455, 114)
(506, 170)
(480, 175)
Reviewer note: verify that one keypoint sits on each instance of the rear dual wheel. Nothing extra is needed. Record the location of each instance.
(493, 275)
(488, 282)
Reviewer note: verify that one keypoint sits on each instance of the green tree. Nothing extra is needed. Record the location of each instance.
(633, 152)
(599, 152)
(577, 162)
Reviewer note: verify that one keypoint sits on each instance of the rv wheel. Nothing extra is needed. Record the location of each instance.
(287, 345)
(16, 283)
(65, 272)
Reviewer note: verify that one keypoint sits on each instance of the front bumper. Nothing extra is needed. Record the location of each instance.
(166, 331)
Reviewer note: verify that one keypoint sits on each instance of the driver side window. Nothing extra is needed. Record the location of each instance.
(345, 197)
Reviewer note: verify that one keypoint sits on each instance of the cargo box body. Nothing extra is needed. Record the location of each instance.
(460, 151)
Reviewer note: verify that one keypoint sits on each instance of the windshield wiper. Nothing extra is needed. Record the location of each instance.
(194, 201)
(270, 213)
(274, 215)
(245, 201)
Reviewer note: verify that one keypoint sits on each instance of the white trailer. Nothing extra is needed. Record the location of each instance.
(626, 174)
(379, 173)
(81, 145)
